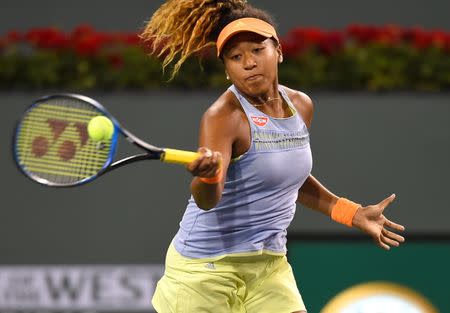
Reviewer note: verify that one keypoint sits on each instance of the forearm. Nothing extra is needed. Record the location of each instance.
(315, 196)
(206, 196)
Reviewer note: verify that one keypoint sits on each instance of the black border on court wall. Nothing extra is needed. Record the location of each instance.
(340, 237)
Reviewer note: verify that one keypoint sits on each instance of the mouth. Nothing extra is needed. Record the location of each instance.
(254, 77)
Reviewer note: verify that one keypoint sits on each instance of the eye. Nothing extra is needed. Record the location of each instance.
(235, 57)
(258, 49)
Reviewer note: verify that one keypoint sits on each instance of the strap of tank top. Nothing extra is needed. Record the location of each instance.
(249, 109)
(247, 106)
(283, 92)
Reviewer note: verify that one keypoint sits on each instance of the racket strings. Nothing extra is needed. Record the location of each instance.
(53, 144)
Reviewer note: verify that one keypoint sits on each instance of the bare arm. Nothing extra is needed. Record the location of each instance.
(217, 134)
(315, 196)
(312, 194)
(369, 219)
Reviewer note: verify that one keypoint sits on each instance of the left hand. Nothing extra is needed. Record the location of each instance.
(370, 219)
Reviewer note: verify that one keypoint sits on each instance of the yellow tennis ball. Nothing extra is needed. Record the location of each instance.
(109, 128)
(100, 128)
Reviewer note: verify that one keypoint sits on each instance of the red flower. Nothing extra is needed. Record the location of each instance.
(116, 60)
(410, 33)
(86, 41)
(423, 41)
(299, 39)
(447, 42)
(363, 34)
(47, 38)
(290, 47)
(131, 39)
(14, 36)
(438, 38)
(390, 35)
(58, 40)
(81, 31)
(89, 45)
(309, 36)
(332, 42)
(418, 37)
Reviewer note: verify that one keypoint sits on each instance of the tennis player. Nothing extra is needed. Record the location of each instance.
(255, 164)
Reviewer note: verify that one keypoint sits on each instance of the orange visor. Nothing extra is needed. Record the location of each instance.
(247, 24)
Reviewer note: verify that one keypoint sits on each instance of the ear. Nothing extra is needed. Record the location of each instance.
(280, 53)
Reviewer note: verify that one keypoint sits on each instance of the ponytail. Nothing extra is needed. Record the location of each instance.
(180, 28)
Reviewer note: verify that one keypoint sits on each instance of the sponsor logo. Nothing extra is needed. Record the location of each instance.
(259, 120)
(210, 265)
(90, 288)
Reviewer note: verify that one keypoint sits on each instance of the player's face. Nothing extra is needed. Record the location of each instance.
(251, 62)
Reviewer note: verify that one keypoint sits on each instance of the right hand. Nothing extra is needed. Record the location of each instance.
(207, 164)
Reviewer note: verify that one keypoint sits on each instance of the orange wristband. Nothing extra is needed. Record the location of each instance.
(213, 180)
(344, 210)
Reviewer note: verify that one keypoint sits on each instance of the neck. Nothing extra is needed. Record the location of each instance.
(271, 98)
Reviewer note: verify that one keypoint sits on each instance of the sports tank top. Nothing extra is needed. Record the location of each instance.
(259, 197)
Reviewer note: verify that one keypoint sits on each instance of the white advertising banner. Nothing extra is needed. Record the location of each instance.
(85, 287)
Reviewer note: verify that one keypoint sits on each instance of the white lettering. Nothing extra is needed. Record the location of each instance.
(127, 287)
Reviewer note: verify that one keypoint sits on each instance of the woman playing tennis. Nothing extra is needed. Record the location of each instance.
(255, 165)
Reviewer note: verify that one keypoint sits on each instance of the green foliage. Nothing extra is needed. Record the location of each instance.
(85, 59)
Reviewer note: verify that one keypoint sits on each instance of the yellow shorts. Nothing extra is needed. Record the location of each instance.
(250, 284)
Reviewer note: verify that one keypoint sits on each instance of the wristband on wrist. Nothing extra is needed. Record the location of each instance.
(343, 211)
(213, 180)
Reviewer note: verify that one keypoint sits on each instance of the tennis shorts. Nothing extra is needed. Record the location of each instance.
(251, 284)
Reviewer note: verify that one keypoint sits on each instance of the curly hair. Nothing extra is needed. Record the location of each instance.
(180, 28)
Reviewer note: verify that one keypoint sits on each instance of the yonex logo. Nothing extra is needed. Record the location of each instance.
(66, 151)
(259, 120)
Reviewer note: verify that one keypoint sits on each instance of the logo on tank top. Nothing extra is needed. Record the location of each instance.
(259, 120)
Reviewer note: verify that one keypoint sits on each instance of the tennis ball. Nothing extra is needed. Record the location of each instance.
(100, 128)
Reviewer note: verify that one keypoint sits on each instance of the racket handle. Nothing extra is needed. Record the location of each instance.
(178, 156)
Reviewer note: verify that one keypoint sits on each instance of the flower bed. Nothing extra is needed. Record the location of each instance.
(359, 57)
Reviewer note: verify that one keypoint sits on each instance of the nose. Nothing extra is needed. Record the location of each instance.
(249, 62)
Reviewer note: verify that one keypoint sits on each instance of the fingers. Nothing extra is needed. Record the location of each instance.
(390, 235)
(383, 245)
(193, 166)
(386, 243)
(210, 164)
(205, 152)
(207, 164)
(387, 201)
(393, 225)
(388, 239)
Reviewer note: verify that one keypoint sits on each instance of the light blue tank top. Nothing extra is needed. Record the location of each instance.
(261, 188)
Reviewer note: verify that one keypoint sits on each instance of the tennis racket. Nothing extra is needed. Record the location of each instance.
(52, 145)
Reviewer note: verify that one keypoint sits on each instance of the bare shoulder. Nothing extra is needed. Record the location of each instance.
(225, 109)
(302, 103)
(222, 119)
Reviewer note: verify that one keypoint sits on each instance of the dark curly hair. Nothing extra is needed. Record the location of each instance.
(180, 28)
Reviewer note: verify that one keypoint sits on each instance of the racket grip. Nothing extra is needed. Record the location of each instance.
(178, 156)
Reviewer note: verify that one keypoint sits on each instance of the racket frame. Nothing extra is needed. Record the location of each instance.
(152, 151)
